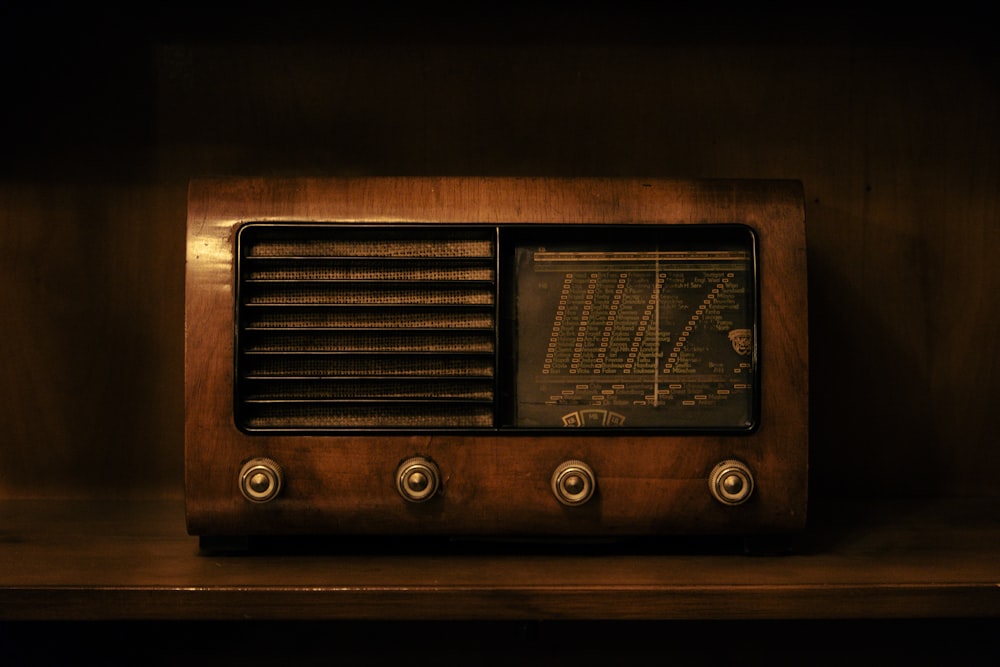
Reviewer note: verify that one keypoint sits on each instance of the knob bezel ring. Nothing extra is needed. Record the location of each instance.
(411, 466)
(270, 470)
(567, 470)
(725, 470)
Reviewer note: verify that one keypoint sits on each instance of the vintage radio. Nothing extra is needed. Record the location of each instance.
(495, 357)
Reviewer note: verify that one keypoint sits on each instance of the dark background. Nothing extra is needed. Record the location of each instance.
(889, 120)
(890, 116)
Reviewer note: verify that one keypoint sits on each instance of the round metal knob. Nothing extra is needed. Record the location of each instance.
(573, 482)
(418, 479)
(260, 480)
(731, 482)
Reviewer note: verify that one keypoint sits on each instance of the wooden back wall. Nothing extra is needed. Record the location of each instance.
(894, 132)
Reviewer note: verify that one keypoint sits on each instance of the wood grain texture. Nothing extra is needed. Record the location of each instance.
(496, 483)
(893, 134)
(890, 126)
(64, 560)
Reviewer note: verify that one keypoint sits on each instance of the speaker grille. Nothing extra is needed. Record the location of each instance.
(367, 327)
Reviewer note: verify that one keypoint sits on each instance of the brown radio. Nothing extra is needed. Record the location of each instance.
(495, 357)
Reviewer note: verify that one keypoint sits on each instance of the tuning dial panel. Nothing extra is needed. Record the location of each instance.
(731, 482)
(573, 483)
(260, 480)
(418, 479)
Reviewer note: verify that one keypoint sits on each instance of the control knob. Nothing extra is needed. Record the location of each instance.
(260, 480)
(573, 482)
(731, 482)
(418, 479)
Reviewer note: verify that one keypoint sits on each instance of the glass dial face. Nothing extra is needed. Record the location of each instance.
(636, 332)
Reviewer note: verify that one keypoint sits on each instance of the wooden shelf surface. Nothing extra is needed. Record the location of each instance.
(75, 560)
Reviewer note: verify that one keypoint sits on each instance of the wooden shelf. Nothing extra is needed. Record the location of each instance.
(70, 560)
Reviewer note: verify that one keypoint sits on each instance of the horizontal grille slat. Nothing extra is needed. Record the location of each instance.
(384, 269)
(375, 365)
(319, 417)
(292, 341)
(358, 243)
(292, 318)
(343, 327)
(369, 389)
(354, 294)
